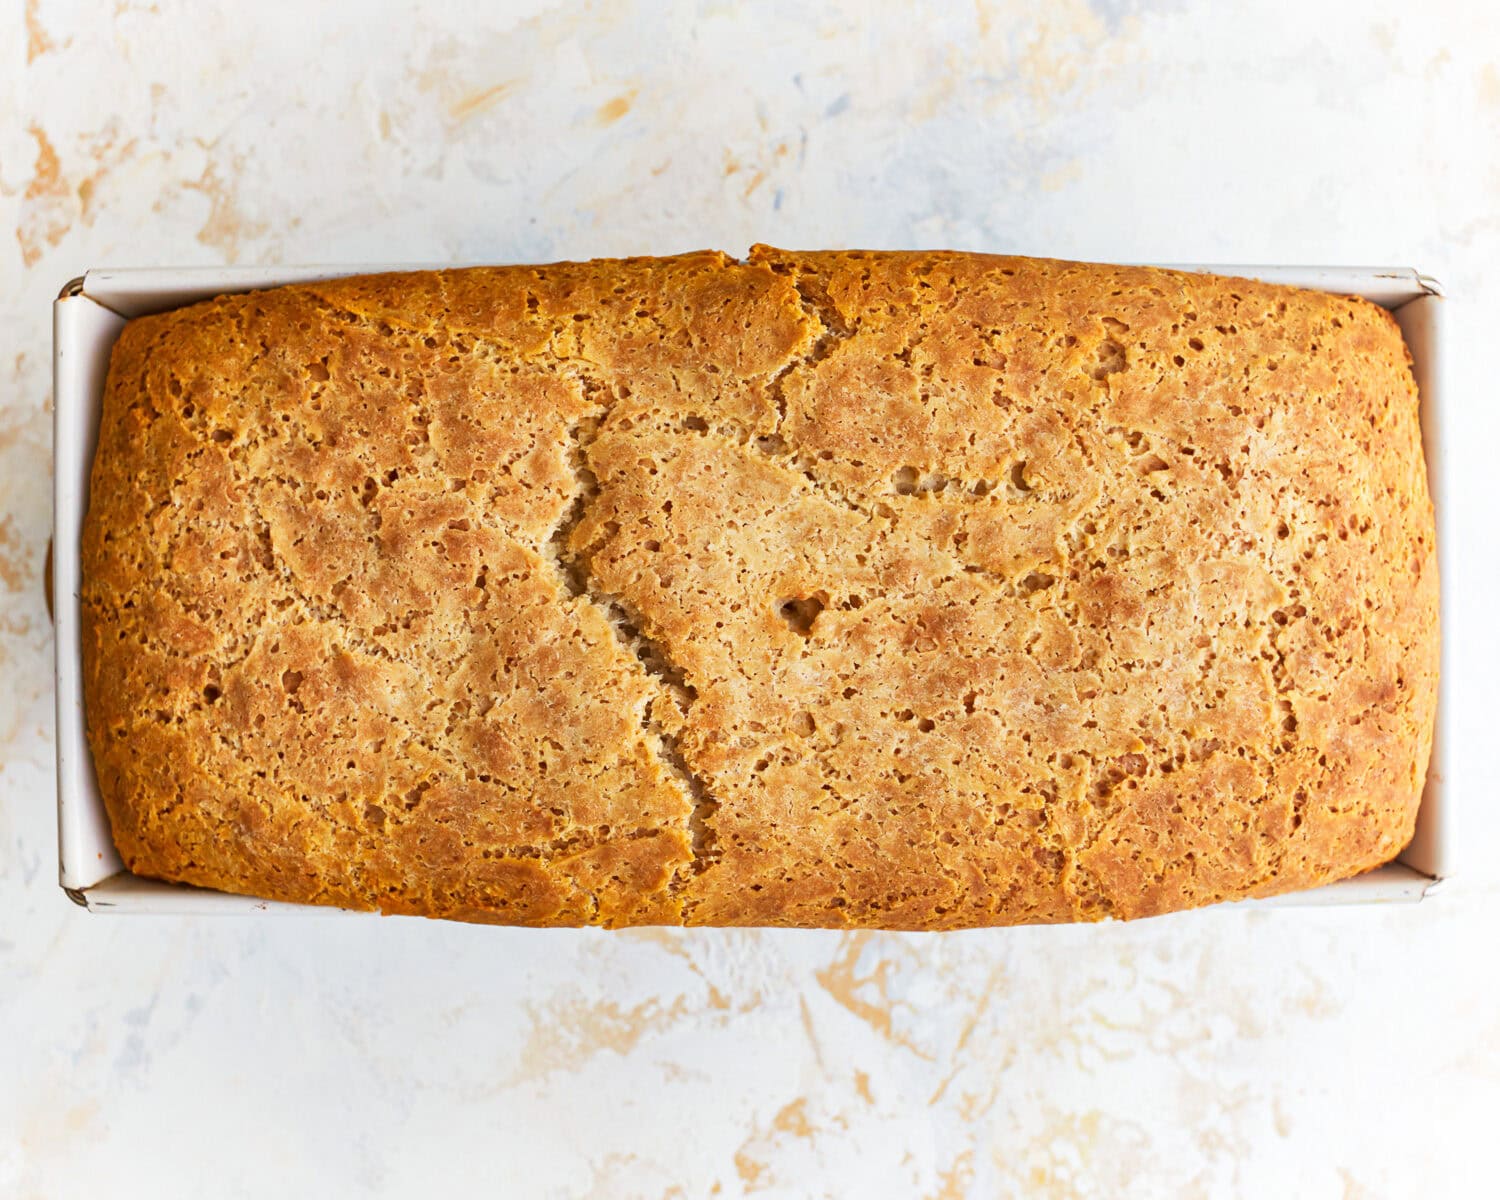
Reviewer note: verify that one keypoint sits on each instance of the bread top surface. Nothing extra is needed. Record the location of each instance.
(909, 590)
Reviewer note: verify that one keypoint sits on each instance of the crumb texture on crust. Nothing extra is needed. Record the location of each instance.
(902, 590)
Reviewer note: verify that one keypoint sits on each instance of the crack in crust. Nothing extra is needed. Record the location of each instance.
(670, 679)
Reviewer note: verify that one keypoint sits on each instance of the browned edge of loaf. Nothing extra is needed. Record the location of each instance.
(904, 590)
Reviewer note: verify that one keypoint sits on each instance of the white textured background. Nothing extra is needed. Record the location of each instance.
(1342, 1054)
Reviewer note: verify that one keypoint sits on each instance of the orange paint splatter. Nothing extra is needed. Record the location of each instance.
(1489, 87)
(226, 227)
(477, 102)
(971, 1022)
(953, 1184)
(37, 41)
(792, 1119)
(749, 1169)
(13, 556)
(841, 980)
(812, 1033)
(43, 222)
(672, 942)
(563, 1037)
(612, 111)
(862, 1086)
(51, 202)
(46, 176)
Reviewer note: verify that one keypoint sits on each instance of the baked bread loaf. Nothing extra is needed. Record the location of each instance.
(903, 590)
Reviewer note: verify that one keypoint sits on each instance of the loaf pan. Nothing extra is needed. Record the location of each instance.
(88, 317)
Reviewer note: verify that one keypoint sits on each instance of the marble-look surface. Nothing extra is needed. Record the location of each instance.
(1299, 1052)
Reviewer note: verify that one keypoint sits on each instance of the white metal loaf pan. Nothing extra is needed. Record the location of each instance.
(88, 317)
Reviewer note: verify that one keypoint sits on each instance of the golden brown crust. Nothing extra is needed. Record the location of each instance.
(912, 590)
